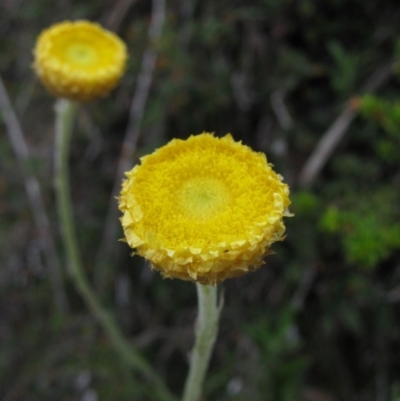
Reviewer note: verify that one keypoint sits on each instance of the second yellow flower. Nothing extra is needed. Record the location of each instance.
(79, 60)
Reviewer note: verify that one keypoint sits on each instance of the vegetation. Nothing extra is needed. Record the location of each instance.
(320, 321)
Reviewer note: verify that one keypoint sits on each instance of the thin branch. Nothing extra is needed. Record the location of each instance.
(329, 141)
(187, 11)
(303, 289)
(132, 135)
(32, 187)
(11, 14)
(280, 109)
(393, 296)
(325, 147)
(117, 13)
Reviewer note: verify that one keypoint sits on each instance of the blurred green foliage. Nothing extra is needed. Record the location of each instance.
(369, 232)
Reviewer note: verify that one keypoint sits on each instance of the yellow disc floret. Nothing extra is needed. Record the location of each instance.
(79, 60)
(204, 209)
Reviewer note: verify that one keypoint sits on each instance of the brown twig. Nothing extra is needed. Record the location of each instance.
(187, 11)
(328, 142)
(131, 138)
(11, 11)
(115, 16)
(32, 187)
(303, 289)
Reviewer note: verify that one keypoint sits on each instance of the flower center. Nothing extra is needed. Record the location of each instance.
(203, 197)
(81, 53)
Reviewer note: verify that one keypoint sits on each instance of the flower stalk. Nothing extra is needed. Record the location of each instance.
(206, 334)
(65, 117)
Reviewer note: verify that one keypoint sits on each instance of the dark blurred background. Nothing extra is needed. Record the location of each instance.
(314, 85)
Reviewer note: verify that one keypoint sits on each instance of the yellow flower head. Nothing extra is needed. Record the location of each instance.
(79, 60)
(204, 209)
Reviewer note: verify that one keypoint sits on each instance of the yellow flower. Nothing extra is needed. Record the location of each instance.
(204, 209)
(79, 60)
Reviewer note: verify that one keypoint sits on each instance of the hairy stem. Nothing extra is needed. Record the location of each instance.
(65, 116)
(206, 334)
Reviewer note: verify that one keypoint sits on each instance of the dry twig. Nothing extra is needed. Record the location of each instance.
(32, 187)
(117, 13)
(132, 134)
(328, 142)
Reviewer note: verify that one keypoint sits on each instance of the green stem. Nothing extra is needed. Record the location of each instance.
(65, 116)
(206, 334)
